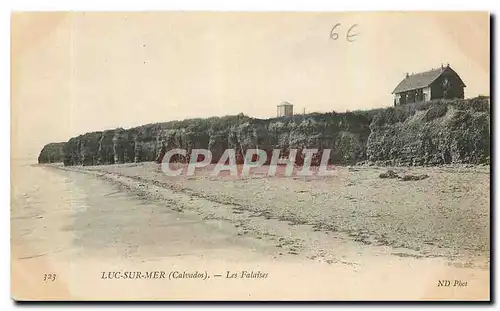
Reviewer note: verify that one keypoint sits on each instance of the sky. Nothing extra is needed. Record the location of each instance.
(77, 72)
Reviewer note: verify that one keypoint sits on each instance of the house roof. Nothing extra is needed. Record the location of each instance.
(420, 80)
(285, 104)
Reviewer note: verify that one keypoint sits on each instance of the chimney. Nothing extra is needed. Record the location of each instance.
(407, 74)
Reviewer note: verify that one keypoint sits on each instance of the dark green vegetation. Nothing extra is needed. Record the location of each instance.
(429, 133)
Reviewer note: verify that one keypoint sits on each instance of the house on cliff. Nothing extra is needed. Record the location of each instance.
(438, 83)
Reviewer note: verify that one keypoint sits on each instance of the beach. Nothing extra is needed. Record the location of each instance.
(349, 236)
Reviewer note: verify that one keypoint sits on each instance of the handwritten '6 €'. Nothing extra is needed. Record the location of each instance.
(350, 34)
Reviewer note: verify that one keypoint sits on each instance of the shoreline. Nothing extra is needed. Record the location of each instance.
(261, 220)
(302, 261)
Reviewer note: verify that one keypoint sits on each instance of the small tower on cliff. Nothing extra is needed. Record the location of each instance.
(285, 109)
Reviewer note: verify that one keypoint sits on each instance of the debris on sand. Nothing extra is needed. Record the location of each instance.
(392, 174)
(414, 177)
(389, 174)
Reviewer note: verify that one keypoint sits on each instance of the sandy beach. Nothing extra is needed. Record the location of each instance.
(396, 104)
(348, 236)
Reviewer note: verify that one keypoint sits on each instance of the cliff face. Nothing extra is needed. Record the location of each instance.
(346, 134)
(52, 153)
(432, 133)
(419, 134)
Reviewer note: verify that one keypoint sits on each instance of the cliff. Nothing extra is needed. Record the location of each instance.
(432, 133)
(346, 133)
(428, 133)
(52, 153)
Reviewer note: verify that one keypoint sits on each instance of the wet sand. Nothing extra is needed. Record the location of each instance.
(347, 236)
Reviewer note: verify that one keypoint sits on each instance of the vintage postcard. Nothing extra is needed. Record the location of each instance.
(249, 156)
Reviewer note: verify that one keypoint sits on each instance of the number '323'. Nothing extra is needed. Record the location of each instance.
(49, 277)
